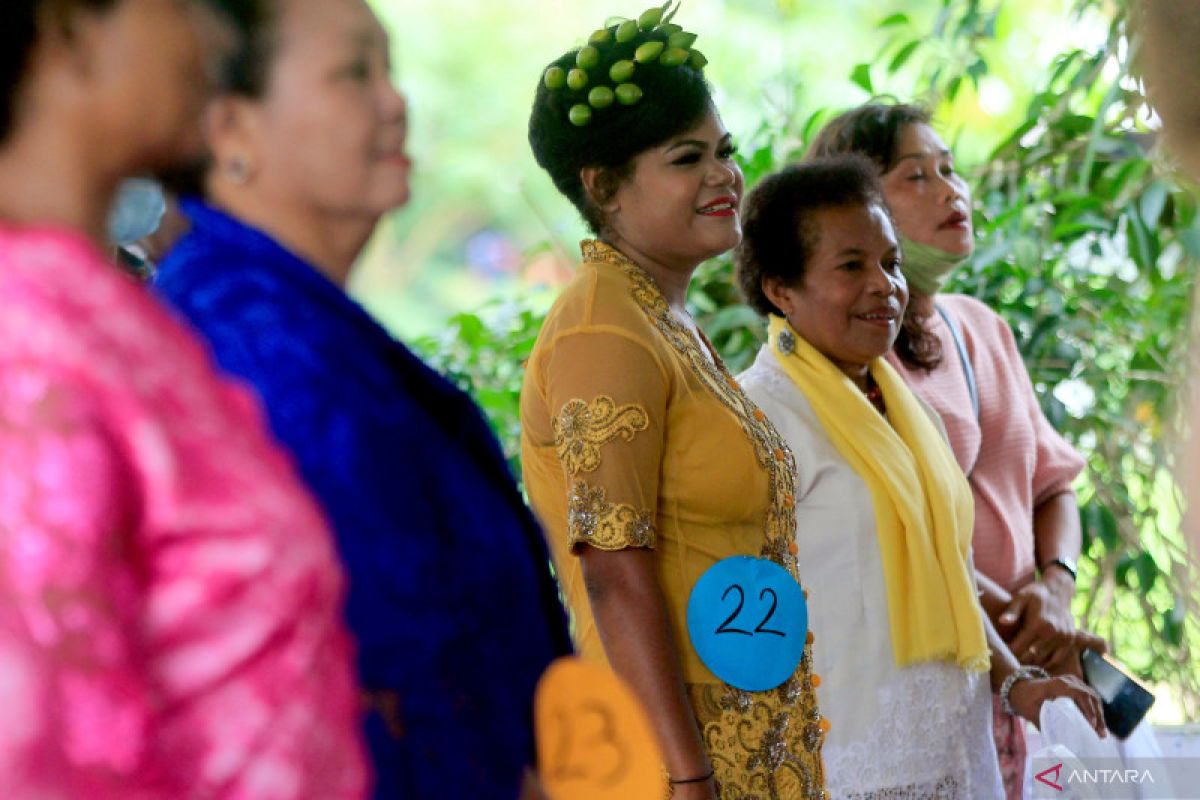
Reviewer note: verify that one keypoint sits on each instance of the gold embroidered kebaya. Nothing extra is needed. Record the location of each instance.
(697, 473)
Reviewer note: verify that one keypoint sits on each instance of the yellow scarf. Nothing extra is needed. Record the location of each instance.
(924, 512)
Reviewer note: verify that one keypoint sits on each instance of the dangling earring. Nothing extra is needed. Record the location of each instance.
(786, 343)
(239, 170)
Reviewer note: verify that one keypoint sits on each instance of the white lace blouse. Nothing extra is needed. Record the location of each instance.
(920, 731)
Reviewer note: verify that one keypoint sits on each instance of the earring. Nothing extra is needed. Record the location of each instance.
(786, 343)
(239, 170)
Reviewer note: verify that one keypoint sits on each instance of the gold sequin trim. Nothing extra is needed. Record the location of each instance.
(592, 519)
(581, 429)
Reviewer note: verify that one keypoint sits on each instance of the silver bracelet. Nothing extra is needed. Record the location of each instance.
(1019, 674)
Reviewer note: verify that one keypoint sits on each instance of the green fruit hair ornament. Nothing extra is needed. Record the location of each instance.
(604, 74)
(600, 97)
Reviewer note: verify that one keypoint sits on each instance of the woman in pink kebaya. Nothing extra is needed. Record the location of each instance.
(169, 596)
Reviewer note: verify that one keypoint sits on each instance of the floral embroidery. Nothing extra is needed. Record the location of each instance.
(592, 519)
(580, 430)
(762, 744)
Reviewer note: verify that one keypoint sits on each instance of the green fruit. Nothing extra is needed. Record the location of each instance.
(673, 57)
(697, 60)
(587, 58)
(580, 115)
(600, 97)
(628, 94)
(600, 37)
(621, 71)
(555, 78)
(650, 17)
(669, 29)
(627, 30)
(577, 79)
(683, 40)
(647, 52)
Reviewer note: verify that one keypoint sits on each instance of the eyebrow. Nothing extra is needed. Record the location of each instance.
(915, 156)
(698, 143)
(369, 37)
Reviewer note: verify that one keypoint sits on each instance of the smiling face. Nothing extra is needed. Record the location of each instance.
(680, 204)
(328, 136)
(850, 301)
(929, 200)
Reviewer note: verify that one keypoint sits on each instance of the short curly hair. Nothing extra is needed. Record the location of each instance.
(779, 230)
(674, 100)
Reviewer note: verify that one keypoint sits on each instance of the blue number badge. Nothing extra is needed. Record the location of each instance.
(748, 621)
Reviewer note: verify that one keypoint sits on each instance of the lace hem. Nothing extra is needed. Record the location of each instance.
(931, 737)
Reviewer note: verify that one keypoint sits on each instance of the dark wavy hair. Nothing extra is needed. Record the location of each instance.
(779, 230)
(25, 21)
(674, 99)
(872, 130)
(246, 74)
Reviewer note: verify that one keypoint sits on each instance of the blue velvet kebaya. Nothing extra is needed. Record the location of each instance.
(451, 598)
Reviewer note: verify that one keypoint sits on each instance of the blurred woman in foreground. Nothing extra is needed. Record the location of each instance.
(169, 596)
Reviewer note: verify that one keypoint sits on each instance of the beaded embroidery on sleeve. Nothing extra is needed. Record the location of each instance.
(581, 429)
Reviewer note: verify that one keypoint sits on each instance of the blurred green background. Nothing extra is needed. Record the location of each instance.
(482, 210)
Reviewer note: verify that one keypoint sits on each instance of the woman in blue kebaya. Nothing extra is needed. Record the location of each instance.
(451, 598)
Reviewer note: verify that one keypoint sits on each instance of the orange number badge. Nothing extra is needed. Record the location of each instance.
(594, 740)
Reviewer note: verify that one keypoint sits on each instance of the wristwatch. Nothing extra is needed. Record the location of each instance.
(1065, 563)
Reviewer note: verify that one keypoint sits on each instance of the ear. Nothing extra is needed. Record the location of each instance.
(70, 44)
(592, 178)
(231, 127)
(779, 293)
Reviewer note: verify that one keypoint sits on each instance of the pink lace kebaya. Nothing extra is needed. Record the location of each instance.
(170, 600)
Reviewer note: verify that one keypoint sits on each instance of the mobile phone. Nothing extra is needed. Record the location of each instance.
(1125, 700)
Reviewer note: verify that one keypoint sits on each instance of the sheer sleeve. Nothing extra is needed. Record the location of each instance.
(607, 394)
(76, 704)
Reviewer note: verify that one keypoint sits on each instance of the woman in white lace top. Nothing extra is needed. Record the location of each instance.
(883, 513)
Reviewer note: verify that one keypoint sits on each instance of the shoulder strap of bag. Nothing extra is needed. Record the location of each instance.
(964, 359)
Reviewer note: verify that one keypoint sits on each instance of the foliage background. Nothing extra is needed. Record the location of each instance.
(1088, 243)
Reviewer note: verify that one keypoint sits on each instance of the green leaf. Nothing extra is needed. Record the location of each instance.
(1152, 202)
(1147, 572)
(861, 76)
(953, 87)
(903, 55)
(895, 19)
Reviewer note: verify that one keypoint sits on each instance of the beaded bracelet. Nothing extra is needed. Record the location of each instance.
(1019, 674)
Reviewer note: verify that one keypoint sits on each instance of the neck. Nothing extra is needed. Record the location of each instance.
(920, 304)
(672, 278)
(47, 177)
(331, 244)
(860, 374)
